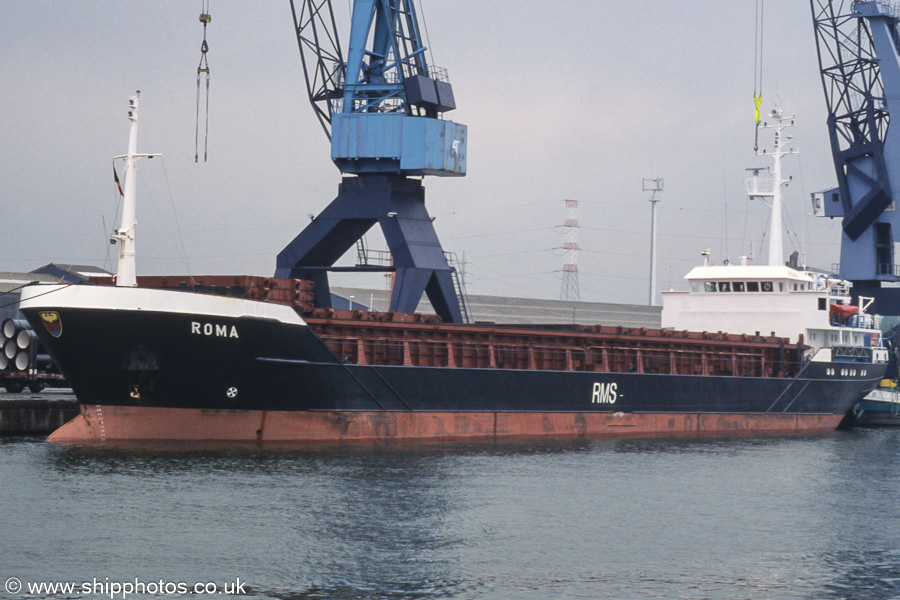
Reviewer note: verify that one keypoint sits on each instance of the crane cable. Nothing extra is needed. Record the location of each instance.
(757, 67)
(427, 37)
(203, 67)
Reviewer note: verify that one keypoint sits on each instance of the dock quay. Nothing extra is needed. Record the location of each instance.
(30, 414)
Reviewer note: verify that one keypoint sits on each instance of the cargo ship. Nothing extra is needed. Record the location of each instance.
(152, 363)
(747, 348)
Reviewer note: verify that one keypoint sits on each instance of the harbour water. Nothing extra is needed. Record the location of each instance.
(771, 517)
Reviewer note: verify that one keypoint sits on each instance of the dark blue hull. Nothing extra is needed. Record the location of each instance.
(196, 362)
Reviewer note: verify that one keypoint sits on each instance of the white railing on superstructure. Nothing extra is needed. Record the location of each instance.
(840, 289)
(864, 322)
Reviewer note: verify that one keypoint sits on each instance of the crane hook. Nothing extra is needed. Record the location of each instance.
(203, 67)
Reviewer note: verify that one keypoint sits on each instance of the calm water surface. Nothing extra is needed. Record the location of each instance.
(780, 517)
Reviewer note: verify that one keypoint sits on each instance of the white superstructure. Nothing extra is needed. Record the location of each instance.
(781, 301)
(803, 306)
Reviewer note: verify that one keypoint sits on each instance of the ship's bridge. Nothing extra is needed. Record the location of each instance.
(770, 300)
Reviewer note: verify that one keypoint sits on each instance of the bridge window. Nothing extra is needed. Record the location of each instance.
(752, 286)
(737, 286)
(724, 286)
(767, 286)
(709, 286)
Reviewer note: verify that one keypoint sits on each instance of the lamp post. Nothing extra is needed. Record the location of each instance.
(653, 186)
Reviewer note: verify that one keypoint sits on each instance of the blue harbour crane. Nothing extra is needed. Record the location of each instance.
(381, 104)
(859, 58)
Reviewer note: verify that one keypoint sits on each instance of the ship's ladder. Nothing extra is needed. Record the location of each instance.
(459, 284)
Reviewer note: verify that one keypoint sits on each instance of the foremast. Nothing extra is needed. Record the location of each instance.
(126, 274)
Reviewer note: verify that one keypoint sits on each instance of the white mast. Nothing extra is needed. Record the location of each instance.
(769, 188)
(125, 271)
(776, 245)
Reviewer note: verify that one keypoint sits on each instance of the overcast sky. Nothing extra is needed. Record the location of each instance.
(577, 100)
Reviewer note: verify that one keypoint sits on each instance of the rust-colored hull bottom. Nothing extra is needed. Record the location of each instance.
(111, 423)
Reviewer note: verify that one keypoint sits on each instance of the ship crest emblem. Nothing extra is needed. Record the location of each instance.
(52, 322)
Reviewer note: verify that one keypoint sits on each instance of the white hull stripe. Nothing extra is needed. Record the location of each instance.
(98, 297)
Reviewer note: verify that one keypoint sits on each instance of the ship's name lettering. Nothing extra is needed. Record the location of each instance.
(604, 393)
(213, 330)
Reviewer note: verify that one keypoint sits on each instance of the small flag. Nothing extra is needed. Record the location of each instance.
(118, 185)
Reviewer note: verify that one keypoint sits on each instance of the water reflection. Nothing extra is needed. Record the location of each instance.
(776, 516)
(348, 522)
(860, 520)
(863, 574)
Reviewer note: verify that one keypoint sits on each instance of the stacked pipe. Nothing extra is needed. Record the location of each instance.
(20, 347)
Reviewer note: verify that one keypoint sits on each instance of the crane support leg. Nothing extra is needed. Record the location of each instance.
(397, 204)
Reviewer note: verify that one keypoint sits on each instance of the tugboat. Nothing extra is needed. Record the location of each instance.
(747, 349)
(880, 407)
